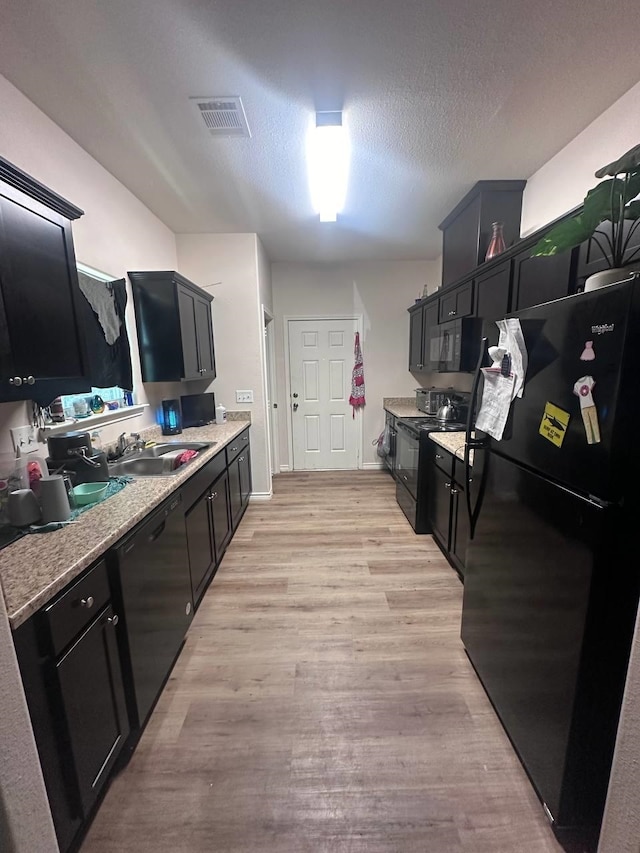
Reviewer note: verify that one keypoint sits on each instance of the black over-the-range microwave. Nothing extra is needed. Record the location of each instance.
(454, 346)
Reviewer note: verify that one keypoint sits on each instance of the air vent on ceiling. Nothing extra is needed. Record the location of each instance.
(223, 115)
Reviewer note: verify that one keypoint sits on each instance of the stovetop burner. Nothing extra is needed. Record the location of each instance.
(428, 424)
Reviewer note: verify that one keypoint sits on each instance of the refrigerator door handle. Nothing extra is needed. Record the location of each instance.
(474, 444)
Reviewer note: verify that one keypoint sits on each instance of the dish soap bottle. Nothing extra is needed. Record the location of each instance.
(221, 414)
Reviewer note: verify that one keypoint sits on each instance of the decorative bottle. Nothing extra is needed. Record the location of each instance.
(496, 244)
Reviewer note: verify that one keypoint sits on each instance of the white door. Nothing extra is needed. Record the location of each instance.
(325, 434)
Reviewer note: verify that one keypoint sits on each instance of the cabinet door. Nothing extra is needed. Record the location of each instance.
(187, 309)
(492, 296)
(440, 505)
(415, 340)
(459, 528)
(235, 492)
(538, 280)
(94, 706)
(430, 320)
(39, 331)
(200, 543)
(204, 331)
(458, 303)
(221, 514)
(244, 467)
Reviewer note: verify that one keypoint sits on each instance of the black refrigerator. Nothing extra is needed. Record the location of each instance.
(552, 575)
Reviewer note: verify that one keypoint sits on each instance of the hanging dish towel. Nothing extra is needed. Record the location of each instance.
(357, 378)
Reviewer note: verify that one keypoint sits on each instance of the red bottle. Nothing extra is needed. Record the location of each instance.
(496, 244)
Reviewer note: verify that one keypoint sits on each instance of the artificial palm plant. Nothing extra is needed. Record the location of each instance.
(611, 201)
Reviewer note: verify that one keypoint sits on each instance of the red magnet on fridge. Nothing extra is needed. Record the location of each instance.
(588, 353)
(582, 389)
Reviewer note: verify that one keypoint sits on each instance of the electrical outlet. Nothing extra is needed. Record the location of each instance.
(244, 396)
(24, 438)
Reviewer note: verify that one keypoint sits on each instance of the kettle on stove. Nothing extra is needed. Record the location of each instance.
(448, 411)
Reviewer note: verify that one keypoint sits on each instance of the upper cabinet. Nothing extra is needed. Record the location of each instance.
(42, 350)
(466, 232)
(538, 280)
(175, 329)
(456, 303)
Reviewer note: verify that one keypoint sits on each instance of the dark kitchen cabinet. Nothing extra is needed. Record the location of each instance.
(201, 544)
(466, 232)
(456, 303)
(208, 532)
(439, 506)
(447, 509)
(538, 280)
(42, 349)
(422, 318)
(416, 340)
(493, 292)
(71, 671)
(175, 329)
(239, 456)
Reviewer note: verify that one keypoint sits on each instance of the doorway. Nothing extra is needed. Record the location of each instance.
(324, 433)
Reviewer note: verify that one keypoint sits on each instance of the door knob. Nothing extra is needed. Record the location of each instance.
(113, 620)
(295, 407)
(87, 602)
(17, 381)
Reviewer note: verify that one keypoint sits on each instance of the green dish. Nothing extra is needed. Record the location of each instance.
(89, 493)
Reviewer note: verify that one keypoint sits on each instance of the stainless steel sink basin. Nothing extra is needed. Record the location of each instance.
(156, 461)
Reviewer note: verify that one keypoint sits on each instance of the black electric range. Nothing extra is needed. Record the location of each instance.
(412, 455)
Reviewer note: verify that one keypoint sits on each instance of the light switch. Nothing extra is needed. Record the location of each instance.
(244, 396)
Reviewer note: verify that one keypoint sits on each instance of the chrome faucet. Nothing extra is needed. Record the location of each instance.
(123, 446)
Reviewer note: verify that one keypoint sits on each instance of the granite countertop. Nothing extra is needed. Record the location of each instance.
(402, 407)
(36, 567)
(453, 442)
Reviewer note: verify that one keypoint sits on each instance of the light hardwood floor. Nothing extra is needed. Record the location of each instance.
(323, 702)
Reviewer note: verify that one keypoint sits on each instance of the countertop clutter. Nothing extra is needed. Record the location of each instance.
(36, 567)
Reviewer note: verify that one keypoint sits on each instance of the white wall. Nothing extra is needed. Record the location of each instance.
(562, 183)
(116, 234)
(381, 293)
(232, 260)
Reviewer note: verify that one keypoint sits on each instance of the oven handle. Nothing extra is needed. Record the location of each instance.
(407, 429)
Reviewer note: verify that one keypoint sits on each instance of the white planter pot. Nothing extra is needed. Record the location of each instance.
(607, 277)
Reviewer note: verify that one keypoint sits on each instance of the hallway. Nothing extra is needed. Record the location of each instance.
(323, 702)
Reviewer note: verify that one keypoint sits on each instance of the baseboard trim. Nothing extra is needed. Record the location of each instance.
(373, 466)
(284, 469)
(260, 496)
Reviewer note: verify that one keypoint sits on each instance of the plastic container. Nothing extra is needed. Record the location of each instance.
(89, 493)
(221, 414)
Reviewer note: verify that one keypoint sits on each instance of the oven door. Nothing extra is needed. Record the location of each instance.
(407, 453)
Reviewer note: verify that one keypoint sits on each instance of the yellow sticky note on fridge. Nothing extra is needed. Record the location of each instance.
(554, 424)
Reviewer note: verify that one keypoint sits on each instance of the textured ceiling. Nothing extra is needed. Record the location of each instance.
(437, 94)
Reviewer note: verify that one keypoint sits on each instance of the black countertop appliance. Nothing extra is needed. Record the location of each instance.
(551, 583)
(72, 453)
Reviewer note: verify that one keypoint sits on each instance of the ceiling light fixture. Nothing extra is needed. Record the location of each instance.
(328, 163)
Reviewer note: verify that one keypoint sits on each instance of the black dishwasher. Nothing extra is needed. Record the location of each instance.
(155, 585)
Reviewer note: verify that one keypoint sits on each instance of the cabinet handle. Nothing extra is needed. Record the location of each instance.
(241, 459)
(447, 485)
(454, 491)
(113, 620)
(452, 313)
(30, 380)
(404, 477)
(87, 602)
(16, 380)
(233, 449)
(212, 496)
(438, 456)
(419, 365)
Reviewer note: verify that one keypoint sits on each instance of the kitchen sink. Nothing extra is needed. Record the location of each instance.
(156, 461)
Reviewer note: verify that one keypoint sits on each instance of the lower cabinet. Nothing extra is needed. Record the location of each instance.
(70, 665)
(94, 660)
(447, 509)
